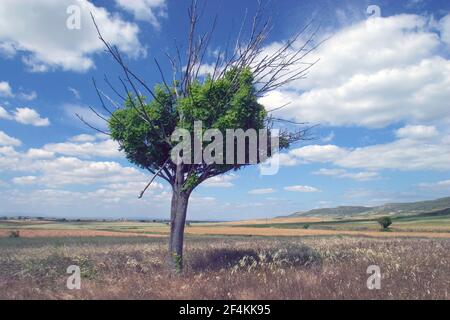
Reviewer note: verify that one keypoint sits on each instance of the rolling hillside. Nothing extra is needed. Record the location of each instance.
(412, 208)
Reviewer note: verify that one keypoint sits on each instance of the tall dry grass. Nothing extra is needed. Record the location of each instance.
(227, 268)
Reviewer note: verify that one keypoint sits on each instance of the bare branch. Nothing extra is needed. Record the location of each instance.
(152, 179)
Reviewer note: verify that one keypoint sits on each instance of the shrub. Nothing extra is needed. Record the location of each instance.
(306, 226)
(385, 222)
(14, 234)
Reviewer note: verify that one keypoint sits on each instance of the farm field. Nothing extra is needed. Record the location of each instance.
(257, 259)
(231, 267)
(405, 226)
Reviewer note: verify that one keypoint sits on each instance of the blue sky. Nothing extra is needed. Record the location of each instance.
(380, 93)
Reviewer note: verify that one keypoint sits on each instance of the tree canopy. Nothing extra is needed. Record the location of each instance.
(144, 132)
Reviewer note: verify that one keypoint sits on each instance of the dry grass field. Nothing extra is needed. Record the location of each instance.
(225, 268)
(258, 259)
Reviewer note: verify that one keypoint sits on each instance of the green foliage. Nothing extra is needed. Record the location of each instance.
(223, 104)
(226, 103)
(178, 261)
(190, 182)
(145, 143)
(306, 226)
(385, 222)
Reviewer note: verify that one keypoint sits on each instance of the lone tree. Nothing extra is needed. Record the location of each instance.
(385, 222)
(145, 119)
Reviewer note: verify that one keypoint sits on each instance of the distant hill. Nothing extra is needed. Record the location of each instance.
(439, 213)
(413, 208)
(343, 210)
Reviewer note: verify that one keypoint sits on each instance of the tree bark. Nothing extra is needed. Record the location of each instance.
(179, 204)
(177, 223)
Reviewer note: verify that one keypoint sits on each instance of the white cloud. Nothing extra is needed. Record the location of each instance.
(436, 186)
(105, 148)
(318, 153)
(7, 49)
(417, 132)
(30, 116)
(75, 93)
(30, 96)
(6, 140)
(329, 172)
(222, 181)
(402, 154)
(398, 76)
(83, 138)
(73, 171)
(5, 89)
(341, 173)
(262, 191)
(51, 170)
(25, 116)
(145, 10)
(4, 114)
(417, 148)
(444, 25)
(34, 153)
(107, 186)
(361, 176)
(329, 137)
(301, 189)
(53, 45)
(25, 180)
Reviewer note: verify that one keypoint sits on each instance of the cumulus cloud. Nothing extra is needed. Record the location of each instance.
(417, 148)
(417, 132)
(67, 163)
(397, 76)
(51, 44)
(444, 25)
(443, 185)
(299, 188)
(223, 181)
(25, 180)
(69, 170)
(30, 116)
(6, 140)
(25, 116)
(145, 10)
(4, 114)
(5, 89)
(46, 181)
(28, 96)
(83, 138)
(341, 173)
(262, 191)
(86, 149)
(318, 153)
(34, 153)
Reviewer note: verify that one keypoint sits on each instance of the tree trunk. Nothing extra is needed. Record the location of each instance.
(177, 222)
